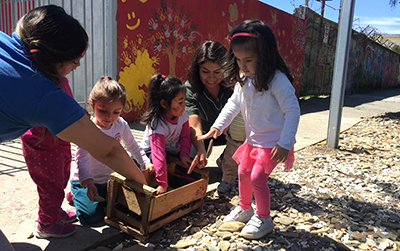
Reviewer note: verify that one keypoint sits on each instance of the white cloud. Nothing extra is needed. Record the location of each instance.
(389, 25)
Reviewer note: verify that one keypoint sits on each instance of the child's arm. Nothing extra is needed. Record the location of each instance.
(91, 189)
(184, 140)
(230, 110)
(102, 147)
(82, 159)
(85, 175)
(284, 93)
(159, 158)
(133, 147)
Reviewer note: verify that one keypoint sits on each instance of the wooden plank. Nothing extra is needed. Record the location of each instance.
(169, 201)
(121, 216)
(134, 185)
(111, 196)
(126, 229)
(159, 223)
(131, 199)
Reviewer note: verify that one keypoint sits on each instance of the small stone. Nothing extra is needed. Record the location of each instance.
(233, 226)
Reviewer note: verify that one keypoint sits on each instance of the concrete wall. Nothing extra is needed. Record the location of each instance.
(371, 66)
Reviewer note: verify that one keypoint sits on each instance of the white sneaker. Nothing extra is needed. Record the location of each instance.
(239, 214)
(257, 227)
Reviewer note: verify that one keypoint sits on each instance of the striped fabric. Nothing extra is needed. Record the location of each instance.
(236, 128)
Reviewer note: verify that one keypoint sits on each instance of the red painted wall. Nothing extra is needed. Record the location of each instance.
(158, 36)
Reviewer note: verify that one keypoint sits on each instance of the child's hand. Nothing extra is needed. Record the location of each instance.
(149, 168)
(214, 133)
(161, 189)
(279, 154)
(186, 161)
(91, 189)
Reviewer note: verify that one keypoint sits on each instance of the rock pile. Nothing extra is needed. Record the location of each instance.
(333, 199)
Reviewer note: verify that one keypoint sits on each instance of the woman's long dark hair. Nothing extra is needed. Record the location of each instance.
(264, 45)
(209, 51)
(51, 37)
(160, 88)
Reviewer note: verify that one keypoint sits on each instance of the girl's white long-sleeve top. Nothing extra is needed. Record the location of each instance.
(271, 117)
(87, 167)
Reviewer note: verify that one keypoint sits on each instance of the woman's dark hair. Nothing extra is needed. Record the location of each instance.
(51, 37)
(212, 51)
(266, 48)
(161, 88)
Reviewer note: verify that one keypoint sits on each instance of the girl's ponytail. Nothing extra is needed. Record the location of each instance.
(160, 88)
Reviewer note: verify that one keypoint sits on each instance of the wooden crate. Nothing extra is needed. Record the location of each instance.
(137, 210)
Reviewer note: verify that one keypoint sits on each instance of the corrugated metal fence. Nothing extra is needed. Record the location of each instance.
(98, 17)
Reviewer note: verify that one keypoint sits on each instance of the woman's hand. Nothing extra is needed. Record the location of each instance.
(279, 154)
(199, 160)
(213, 133)
(186, 161)
(161, 189)
(91, 189)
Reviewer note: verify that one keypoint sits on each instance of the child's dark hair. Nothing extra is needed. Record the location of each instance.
(108, 89)
(51, 36)
(160, 88)
(264, 44)
(212, 51)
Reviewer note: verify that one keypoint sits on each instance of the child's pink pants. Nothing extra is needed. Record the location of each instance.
(49, 164)
(255, 166)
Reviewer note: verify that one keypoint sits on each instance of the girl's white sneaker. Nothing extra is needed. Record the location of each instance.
(239, 214)
(257, 227)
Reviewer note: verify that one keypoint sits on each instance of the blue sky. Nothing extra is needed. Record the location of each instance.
(376, 13)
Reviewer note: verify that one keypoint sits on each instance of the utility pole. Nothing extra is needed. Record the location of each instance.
(340, 71)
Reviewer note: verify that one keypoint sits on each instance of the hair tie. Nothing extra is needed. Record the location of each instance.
(162, 76)
(34, 50)
(244, 34)
(106, 78)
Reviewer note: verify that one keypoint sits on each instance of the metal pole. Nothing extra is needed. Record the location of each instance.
(340, 72)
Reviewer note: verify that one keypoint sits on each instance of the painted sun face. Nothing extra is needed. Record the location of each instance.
(177, 105)
(246, 60)
(106, 113)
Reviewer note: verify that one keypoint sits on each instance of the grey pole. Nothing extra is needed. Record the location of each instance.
(340, 71)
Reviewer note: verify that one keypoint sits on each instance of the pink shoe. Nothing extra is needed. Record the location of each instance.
(57, 230)
(70, 198)
(67, 216)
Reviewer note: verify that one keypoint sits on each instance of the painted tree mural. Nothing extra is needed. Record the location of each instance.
(172, 33)
(160, 36)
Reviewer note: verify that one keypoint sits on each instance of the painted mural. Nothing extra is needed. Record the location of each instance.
(160, 36)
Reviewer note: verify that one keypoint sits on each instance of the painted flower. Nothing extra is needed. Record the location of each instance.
(233, 12)
(162, 17)
(152, 39)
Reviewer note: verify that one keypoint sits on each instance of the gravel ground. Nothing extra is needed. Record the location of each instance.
(333, 199)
